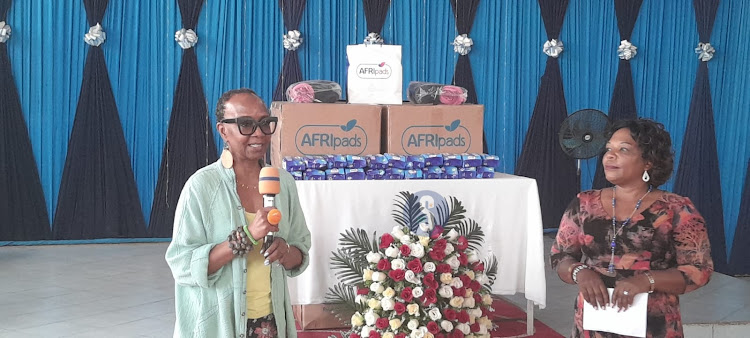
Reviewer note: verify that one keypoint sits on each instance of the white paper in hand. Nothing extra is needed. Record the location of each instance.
(630, 322)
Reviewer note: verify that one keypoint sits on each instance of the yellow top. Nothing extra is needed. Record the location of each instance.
(258, 281)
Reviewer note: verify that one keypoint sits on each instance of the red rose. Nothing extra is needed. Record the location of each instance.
(384, 265)
(437, 255)
(443, 268)
(474, 327)
(376, 334)
(397, 275)
(463, 259)
(429, 297)
(454, 334)
(381, 323)
(439, 245)
(363, 291)
(450, 314)
(400, 307)
(405, 251)
(465, 280)
(401, 335)
(485, 311)
(437, 231)
(440, 335)
(414, 265)
(462, 243)
(474, 285)
(430, 281)
(459, 292)
(477, 298)
(354, 335)
(406, 294)
(433, 327)
(463, 317)
(385, 241)
(478, 267)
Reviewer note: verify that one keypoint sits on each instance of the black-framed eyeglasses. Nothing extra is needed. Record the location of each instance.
(247, 125)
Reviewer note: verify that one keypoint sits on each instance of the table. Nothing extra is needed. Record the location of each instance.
(506, 207)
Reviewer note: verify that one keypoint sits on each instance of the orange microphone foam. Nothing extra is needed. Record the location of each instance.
(274, 216)
(268, 181)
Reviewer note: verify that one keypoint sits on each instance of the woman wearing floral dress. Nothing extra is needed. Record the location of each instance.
(633, 237)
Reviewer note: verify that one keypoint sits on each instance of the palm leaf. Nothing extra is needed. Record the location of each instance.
(357, 243)
(450, 216)
(490, 269)
(470, 229)
(407, 212)
(341, 302)
(349, 269)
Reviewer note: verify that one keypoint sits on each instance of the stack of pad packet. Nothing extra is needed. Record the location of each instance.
(391, 167)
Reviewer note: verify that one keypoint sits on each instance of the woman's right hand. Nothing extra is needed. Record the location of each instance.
(260, 227)
(591, 286)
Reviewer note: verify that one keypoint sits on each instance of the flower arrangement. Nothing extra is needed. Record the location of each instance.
(424, 279)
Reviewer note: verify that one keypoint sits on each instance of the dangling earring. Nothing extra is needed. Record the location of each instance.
(645, 176)
(226, 157)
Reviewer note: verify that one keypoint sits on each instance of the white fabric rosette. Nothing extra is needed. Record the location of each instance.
(373, 38)
(292, 40)
(705, 51)
(553, 48)
(462, 44)
(626, 50)
(4, 32)
(96, 36)
(186, 38)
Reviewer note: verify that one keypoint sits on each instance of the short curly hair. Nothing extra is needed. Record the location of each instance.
(220, 105)
(655, 144)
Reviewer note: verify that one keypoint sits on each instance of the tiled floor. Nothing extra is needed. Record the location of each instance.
(126, 290)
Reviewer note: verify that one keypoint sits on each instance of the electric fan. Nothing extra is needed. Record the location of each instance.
(582, 135)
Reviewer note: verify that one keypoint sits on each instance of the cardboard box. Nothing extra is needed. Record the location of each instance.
(411, 129)
(325, 128)
(319, 316)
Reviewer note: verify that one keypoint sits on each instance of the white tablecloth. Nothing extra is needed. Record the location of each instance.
(506, 208)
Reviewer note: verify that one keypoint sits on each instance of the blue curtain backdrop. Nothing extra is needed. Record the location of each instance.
(240, 45)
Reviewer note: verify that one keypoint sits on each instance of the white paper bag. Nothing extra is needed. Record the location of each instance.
(631, 322)
(374, 74)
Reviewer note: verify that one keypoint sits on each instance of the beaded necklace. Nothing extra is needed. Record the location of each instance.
(615, 231)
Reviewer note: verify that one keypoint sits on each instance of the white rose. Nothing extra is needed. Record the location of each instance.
(425, 241)
(413, 324)
(366, 331)
(377, 288)
(417, 250)
(453, 262)
(378, 276)
(413, 309)
(486, 322)
(435, 314)
(389, 292)
(423, 329)
(481, 278)
(388, 335)
(452, 235)
(373, 303)
(469, 293)
(412, 278)
(417, 334)
(477, 313)
(446, 278)
(428, 335)
(395, 323)
(357, 319)
(392, 252)
(373, 257)
(456, 283)
(397, 233)
(470, 274)
(398, 264)
(446, 325)
(446, 291)
(388, 303)
(457, 302)
(417, 292)
(367, 275)
(449, 249)
(429, 267)
(487, 299)
(406, 239)
(463, 327)
(482, 329)
(371, 317)
(472, 256)
(468, 302)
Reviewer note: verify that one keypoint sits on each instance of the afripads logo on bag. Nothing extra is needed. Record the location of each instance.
(374, 71)
(322, 139)
(453, 138)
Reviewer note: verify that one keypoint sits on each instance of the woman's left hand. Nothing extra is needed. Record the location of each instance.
(625, 291)
(280, 251)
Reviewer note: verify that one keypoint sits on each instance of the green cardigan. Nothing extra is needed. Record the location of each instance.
(207, 211)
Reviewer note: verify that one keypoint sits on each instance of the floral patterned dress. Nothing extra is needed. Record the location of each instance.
(670, 233)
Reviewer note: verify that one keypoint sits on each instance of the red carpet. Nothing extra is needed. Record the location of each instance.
(511, 322)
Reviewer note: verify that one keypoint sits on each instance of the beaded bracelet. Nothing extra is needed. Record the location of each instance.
(574, 275)
(652, 283)
(239, 242)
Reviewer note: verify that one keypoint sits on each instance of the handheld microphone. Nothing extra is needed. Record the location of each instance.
(269, 187)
